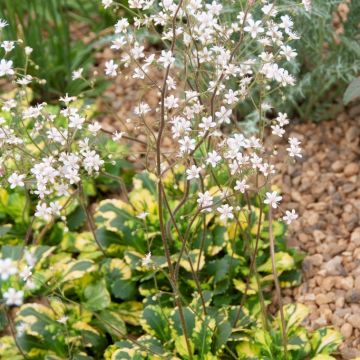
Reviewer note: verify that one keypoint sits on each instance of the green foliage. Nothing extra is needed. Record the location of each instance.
(353, 91)
(48, 26)
(326, 62)
(84, 305)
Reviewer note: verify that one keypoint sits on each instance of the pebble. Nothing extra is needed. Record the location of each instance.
(355, 236)
(351, 169)
(318, 236)
(346, 330)
(315, 260)
(346, 283)
(354, 320)
(340, 302)
(350, 353)
(337, 166)
(353, 296)
(325, 298)
(334, 266)
(357, 283)
(328, 283)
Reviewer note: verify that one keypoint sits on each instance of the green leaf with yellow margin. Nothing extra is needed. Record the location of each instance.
(325, 340)
(97, 296)
(283, 261)
(155, 322)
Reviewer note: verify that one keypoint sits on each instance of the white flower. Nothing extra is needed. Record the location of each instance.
(171, 102)
(241, 186)
(26, 273)
(278, 130)
(272, 199)
(142, 215)
(307, 4)
(288, 52)
(294, 150)
(146, 261)
(269, 9)
(142, 109)
(231, 97)
(118, 43)
(117, 135)
(94, 127)
(286, 23)
(92, 161)
(21, 328)
(14, 297)
(43, 211)
(3, 23)
(121, 26)
(32, 112)
(76, 74)
(254, 28)
(107, 3)
(110, 68)
(223, 115)
(76, 121)
(67, 99)
(63, 319)
(6, 67)
(187, 144)
(226, 212)
(16, 180)
(7, 268)
(166, 58)
(207, 123)
(8, 45)
(193, 172)
(28, 50)
(55, 208)
(282, 119)
(205, 200)
(290, 216)
(25, 80)
(213, 158)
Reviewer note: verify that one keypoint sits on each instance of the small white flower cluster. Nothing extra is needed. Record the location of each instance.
(10, 268)
(44, 151)
(252, 52)
(52, 167)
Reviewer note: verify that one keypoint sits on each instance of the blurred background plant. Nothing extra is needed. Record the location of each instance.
(328, 60)
(63, 35)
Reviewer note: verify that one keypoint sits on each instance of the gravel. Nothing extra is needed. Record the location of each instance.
(325, 190)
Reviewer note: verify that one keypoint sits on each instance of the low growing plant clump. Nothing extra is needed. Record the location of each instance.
(184, 263)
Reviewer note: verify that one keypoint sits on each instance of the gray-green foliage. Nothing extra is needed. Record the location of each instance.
(326, 62)
(324, 65)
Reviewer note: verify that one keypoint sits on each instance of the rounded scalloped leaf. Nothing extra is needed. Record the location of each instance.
(130, 312)
(283, 261)
(155, 321)
(247, 350)
(78, 269)
(325, 340)
(295, 314)
(241, 286)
